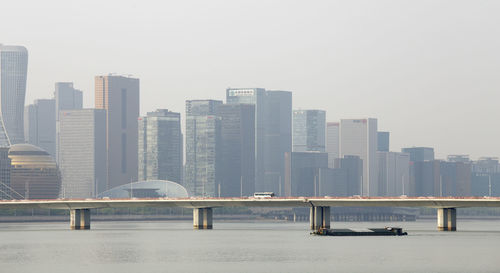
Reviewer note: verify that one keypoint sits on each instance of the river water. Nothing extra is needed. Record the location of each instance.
(246, 247)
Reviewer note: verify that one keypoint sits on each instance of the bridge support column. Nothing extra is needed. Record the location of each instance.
(80, 219)
(447, 219)
(319, 217)
(202, 218)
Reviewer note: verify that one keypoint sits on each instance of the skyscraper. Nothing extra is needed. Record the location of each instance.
(332, 142)
(353, 166)
(425, 178)
(309, 130)
(383, 141)
(359, 137)
(67, 98)
(82, 143)
(393, 174)
(40, 125)
(419, 153)
(5, 166)
(160, 146)
(302, 173)
(273, 133)
(119, 95)
(237, 168)
(277, 138)
(202, 147)
(13, 71)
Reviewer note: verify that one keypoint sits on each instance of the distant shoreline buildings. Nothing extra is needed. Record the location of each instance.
(252, 142)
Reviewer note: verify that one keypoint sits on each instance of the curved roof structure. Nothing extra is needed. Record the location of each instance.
(147, 189)
(30, 156)
(34, 173)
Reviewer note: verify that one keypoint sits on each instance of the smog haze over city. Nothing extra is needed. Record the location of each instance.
(249, 136)
(428, 70)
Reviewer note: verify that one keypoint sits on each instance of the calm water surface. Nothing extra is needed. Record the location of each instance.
(246, 247)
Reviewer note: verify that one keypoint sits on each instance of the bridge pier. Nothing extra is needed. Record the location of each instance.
(202, 218)
(80, 219)
(447, 219)
(319, 217)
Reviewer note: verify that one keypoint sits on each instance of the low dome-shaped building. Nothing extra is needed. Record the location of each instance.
(147, 189)
(34, 173)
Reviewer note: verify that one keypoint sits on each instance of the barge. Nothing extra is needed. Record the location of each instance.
(387, 231)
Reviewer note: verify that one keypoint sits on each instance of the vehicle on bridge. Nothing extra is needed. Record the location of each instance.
(263, 194)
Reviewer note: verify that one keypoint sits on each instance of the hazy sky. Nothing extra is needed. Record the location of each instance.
(428, 70)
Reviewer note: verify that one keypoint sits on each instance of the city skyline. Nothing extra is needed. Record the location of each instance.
(388, 63)
(143, 125)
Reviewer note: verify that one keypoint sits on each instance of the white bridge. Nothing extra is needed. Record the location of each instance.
(202, 207)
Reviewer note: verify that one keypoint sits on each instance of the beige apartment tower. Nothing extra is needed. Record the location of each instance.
(119, 95)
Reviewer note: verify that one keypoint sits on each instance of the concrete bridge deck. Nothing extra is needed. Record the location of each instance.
(431, 202)
(202, 207)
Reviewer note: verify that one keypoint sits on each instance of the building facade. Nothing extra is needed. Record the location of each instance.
(82, 161)
(425, 178)
(202, 144)
(13, 72)
(237, 139)
(5, 165)
(309, 130)
(34, 173)
(302, 173)
(119, 96)
(383, 141)
(333, 182)
(273, 132)
(66, 98)
(160, 146)
(393, 173)
(353, 166)
(332, 142)
(419, 153)
(40, 125)
(359, 137)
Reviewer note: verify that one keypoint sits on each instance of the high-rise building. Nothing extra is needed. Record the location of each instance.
(202, 147)
(5, 165)
(273, 132)
(455, 178)
(40, 125)
(486, 165)
(383, 141)
(302, 173)
(333, 182)
(13, 71)
(353, 166)
(419, 153)
(82, 158)
(441, 178)
(485, 184)
(160, 146)
(459, 158)
(393, 173)
(237, 139)
(309, 129)
(66, 98)
(119, 95)
(332, 142)
(425, 178)
(359, 137)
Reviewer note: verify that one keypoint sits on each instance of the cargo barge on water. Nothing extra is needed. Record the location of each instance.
(387, 231)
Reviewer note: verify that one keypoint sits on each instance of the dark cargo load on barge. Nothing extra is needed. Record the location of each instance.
(387, 231)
